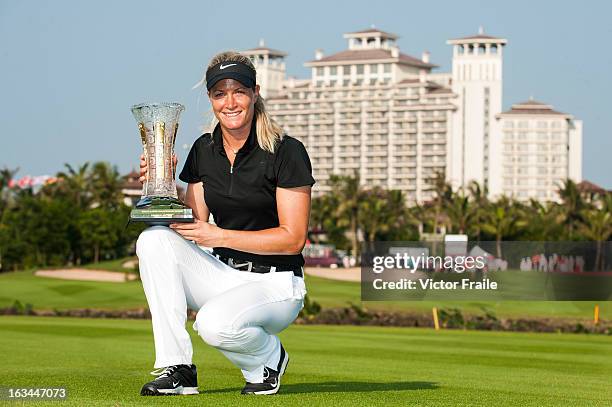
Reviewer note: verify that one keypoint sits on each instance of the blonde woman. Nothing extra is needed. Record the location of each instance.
(256, 183)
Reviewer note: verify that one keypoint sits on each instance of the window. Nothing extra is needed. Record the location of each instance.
(333, 70)
(319, 71)
(346, 69)
(373, 69)
(359, 69)
(387, 68)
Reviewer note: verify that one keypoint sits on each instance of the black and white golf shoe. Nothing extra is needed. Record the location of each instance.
(177, 379)
(272, 377)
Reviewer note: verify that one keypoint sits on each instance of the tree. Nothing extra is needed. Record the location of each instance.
(76, 183)
(596, 225)
(105, 185)
(503, 219)
(459, 213)
(435, 210)
(479, 202)
(98, 230)
(6, 175)
(545, 221)
(383, 214)
(572, 206)
(349, 193)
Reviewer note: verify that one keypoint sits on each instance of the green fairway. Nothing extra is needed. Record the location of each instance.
(104, 362)
(48, 293)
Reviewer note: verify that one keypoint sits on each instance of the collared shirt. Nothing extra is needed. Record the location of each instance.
(243, 196)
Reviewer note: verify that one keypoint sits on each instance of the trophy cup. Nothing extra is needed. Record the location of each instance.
(159, 205)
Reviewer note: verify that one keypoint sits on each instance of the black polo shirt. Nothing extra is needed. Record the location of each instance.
(243, 197)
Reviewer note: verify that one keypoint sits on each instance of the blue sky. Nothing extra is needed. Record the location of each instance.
(70, 70)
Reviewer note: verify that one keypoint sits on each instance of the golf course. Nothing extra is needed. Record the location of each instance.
(48, 293)
(104, 362)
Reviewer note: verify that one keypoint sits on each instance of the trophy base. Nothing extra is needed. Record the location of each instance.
(161, 211)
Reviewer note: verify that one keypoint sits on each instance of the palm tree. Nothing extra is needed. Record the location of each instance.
(460, 213)
(322, 212)
(77, 183)
(443, 193)
(504, 218)
(572, 204)
(596, 225)
(6, 175)
(479, 202)
(349, 192)
(545, 221)
(373, 213)
(105, 184)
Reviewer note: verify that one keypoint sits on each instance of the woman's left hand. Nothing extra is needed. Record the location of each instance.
(202, 233)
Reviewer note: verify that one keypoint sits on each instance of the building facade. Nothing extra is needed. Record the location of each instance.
(541, 148)
(385, 116)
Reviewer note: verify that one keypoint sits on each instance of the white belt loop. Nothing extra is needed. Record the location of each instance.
(272, 269)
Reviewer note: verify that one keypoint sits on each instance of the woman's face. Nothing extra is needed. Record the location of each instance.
(233, 103)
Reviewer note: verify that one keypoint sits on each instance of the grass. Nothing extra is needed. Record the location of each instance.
(48, 293)
(104, 362)
(110, 265)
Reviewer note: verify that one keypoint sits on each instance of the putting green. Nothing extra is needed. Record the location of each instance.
(104, 362)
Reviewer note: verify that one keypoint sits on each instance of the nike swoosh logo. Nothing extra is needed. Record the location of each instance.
(226, 66)
(175, 384)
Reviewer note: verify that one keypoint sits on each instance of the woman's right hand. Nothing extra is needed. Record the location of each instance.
(144, 168)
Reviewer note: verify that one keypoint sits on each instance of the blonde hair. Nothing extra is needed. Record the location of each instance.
(268, 130)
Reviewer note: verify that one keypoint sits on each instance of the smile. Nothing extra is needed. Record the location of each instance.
(232, 114)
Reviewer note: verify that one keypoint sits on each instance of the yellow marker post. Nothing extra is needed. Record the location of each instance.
(596, 314)
(435, 318)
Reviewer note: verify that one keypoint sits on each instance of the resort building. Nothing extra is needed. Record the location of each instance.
(374, 111)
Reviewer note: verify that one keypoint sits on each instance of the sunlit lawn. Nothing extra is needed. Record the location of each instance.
(104, 362)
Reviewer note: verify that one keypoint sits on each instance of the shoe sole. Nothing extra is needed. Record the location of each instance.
(179, 391)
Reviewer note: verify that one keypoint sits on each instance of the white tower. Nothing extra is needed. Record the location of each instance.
(270, 65)
(476, 140)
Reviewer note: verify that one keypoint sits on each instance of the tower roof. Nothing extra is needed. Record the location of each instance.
(263, 50)
(371, 32)
(366, 55)
(480, 37)
(533, 107)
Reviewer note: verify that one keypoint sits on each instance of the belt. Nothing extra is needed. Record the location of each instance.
(258, 268)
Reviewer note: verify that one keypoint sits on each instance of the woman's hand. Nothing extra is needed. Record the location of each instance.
(201, 232)
(144, 168)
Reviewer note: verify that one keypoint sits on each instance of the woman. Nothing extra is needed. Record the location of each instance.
(256, 183)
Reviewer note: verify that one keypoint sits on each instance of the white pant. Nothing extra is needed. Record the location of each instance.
(239, 312)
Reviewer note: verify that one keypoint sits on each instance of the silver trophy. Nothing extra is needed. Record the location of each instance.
(158, 125)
